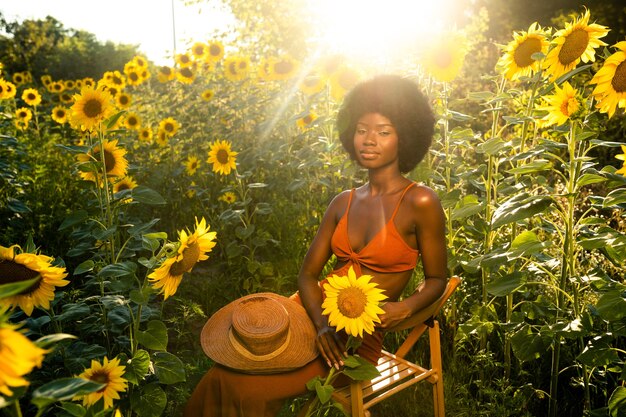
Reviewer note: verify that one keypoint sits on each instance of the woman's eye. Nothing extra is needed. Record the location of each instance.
(361, 131)
(384, 133)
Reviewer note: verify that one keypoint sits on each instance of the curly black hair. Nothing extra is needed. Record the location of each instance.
(403, 103)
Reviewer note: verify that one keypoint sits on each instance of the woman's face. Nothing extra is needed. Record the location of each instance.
(375, 141)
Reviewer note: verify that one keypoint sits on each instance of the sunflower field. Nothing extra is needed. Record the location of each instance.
(137, 203)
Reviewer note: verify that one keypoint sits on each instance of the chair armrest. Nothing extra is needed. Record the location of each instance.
(432, 310)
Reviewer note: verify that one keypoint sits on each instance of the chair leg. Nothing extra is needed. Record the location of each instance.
(436, 364)
(356, 399)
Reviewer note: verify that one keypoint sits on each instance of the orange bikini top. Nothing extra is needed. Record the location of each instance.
(386, 252)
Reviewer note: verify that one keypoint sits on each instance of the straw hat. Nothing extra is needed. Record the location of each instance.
(260, 333)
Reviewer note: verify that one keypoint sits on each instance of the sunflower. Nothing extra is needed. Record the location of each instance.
(132, 121)
(59, 114)
(312, 84)
(18, 356)
(109, 373)
(23, 266)
(610, 80)
(114, 79)
(66, 98)
(90, 108)
(283, 68)
(342, 80)
(88, 82)
(186, 75)
(7, 89)
(56, 87)
(517, 60)
(165, 74)
(191, 165)
(162, 139)
(140, 61)
(169, 125)
(191, 190)
(222, 158)
(19, 78)
(24, 114)
(70, 84)
(123, 100)
(126, 183)
(622, 157)
(304, 122)
(183, 60)
(264, 69)
(21, 125)
(563, 105)
(199, 50)
(443, 57)
(215, 51)
(46, 79)
(577, 42)
(351, 303)
(193, 249)
(236, 68)
(114, 161)
(228, 197)
(31, 97)
(207, 95)
(145, 134)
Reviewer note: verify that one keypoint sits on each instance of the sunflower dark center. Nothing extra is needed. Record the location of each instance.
(283, 67)
(186, 72)
(243, 65)
(351, 302)
(31, 96)
(166, 70)
(117, 80)
(619, 79)
(124, 100)
(222, 156)
(102, 377)
(123, 186)
(133, 76)
(525, 50)
(92, 108)
(215, 50)
(133, 121)
(191, 255)
(575, 44)
(60, 113)
(307, 119)
(232, 68)
(184, 59)
(169, 127)
(109, 159)
(199, 50)
(11, 272)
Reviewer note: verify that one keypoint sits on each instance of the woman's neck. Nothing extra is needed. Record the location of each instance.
(381, 183)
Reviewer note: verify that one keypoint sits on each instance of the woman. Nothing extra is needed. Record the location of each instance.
(379, 229)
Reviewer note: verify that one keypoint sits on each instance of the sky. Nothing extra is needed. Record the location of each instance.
(147, 23)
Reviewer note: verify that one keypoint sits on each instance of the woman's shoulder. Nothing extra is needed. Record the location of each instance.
(422, 197)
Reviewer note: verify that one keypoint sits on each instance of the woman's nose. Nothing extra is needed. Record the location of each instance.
(370, 138)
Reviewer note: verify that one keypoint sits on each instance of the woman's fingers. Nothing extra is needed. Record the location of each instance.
(330, 347)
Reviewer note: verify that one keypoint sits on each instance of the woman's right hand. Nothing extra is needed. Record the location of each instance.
(330, 347)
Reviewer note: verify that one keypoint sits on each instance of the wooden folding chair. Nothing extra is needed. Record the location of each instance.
(398, 373)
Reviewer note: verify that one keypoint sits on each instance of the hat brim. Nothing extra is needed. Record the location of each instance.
(300, 351)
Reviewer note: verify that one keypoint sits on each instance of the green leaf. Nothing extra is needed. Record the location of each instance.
(615, 197)
(528, 345)
(492, 146)
(154, 337)
(147, 195)
(598, 353)
(75, 410)
(612, 306)
(84, 267)
(63, 389)
(141, 296)
(44, 342)
(143, 227)
(324, 392)
(587, 179)
(168, 368)
(364, 372)
(149, 401)
(73, 312)
(617, 402)
(521, 206)
(535, 166)
(468, 206)
(137, 367)
(505, 285)
(74, 219)
(8, 290)
(121, 269)
(311, 383)
(16, 206)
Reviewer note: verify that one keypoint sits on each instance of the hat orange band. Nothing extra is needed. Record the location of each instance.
(249, 355)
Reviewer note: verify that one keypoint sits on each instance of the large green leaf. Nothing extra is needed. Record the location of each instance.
(149, 401)
(364, 372)
(617, 402)
(73, 219)
(521, 206)
(63, 389)
(137, 367)
(505, 285)
(615, 197)
(121, 269)
(612, 306)
(168, 368)
(528, 345)
(154, 337)
(147, 195)
(598, 352)
(324, 392)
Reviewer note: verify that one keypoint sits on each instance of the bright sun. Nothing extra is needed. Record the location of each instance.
(378, 31)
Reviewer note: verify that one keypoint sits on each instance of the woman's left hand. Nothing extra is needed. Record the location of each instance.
(395, 312)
